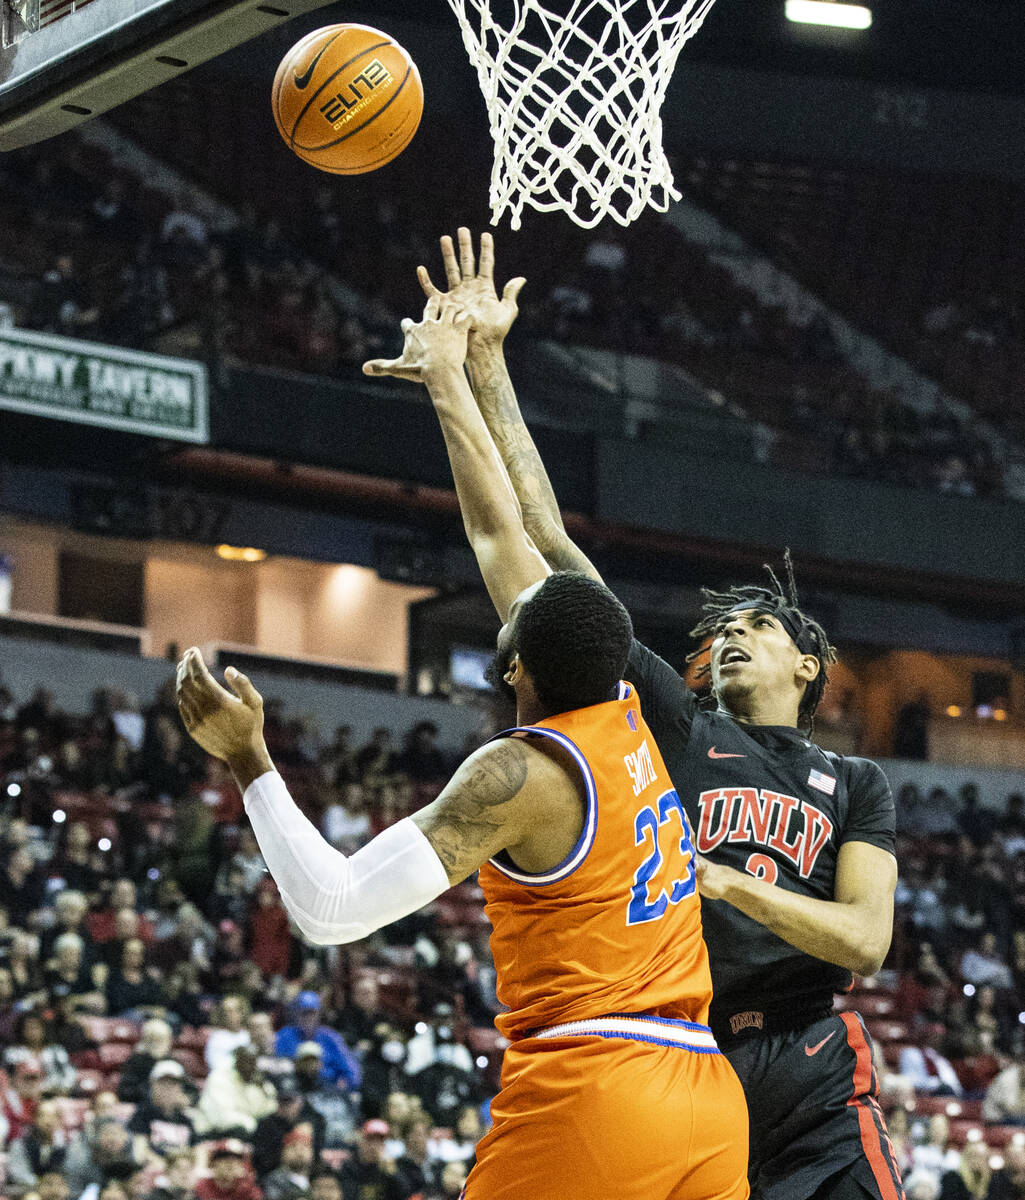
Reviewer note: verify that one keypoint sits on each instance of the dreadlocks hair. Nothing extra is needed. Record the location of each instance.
(573, 636)
(777, 601)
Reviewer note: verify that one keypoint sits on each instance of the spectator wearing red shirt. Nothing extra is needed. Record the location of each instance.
(230, 1178)
(21, 1099)
(270, 938)
(102, 924)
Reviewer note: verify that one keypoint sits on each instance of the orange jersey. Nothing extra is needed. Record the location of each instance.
(616, 927)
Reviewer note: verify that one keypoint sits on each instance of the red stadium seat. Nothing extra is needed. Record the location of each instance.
(86, 1060)
(960, 1130)
(977, 1072)
(887, 1031)
(114, 1054)
(194, 1063)
(869, 1004)
(486, 1041)
(891, 1052)
(949, 1106)
(397, 987)
(192, 1039)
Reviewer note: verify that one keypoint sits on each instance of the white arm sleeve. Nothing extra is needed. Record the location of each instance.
(333, 898)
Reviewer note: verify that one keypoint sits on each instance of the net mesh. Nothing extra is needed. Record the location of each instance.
(574, 100)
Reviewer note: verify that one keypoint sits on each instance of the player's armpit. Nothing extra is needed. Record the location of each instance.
(866, 878)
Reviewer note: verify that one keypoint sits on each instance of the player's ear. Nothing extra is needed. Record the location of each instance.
(514, 671)
(808, 667)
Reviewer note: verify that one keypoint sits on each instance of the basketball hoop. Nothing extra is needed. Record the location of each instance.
(574, 99)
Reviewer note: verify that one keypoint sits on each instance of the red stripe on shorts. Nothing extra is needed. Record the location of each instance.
(871, 1142)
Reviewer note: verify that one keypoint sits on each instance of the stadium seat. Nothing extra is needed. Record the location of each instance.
(120, 1030)
(950, 1106)
(114, 1054)
(869, 1004)
(887, 1031)
(891, 1052)
(194, 1063)
(192, 1039)
(86, 1060)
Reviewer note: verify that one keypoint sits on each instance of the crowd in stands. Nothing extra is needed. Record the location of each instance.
(113, 257)
(929, 264)
(164, 1035)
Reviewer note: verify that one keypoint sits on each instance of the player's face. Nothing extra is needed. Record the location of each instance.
(751, 652)
(504, 646)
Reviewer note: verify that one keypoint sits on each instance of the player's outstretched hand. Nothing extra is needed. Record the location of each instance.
(436, 343)
(472, 286)
(228, 725)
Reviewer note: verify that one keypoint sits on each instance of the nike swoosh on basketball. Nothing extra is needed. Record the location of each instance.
(713, 753)
(810, 1050)
(302, 80)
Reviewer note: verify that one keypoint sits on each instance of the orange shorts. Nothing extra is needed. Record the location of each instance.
(612, 1118)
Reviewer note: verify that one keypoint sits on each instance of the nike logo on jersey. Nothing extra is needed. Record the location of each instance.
(813, 1050)
(713, 753)
(302, 80)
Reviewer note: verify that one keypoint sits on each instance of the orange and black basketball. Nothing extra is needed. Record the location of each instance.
(347, 99)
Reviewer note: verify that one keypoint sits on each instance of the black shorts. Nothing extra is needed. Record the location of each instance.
(811, 1096)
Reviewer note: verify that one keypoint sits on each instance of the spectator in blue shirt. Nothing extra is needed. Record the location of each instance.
(338, 1062)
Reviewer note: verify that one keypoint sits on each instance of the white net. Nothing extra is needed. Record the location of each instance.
(574, 98)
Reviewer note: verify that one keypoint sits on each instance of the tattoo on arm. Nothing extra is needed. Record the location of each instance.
(466, 824)
(496, 399)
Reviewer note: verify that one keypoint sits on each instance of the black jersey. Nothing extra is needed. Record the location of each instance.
(766, 800)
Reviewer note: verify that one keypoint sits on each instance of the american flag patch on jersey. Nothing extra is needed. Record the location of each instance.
(824, 783)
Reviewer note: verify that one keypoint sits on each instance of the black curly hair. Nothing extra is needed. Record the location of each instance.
(782, 603)
(573, 637)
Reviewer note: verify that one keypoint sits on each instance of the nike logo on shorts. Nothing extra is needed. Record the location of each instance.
(812, 1050)
(713, 753)
(302, 80)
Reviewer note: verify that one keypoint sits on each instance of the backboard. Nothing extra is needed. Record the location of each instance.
(64, 61)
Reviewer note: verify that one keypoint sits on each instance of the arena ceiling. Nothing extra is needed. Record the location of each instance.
(942, 43)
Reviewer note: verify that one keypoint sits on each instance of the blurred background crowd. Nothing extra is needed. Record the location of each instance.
(166, 1033)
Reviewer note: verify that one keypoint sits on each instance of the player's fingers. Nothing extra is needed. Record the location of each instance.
(486, 266)
(406, 324)
(380, 366)
(448, 255)
(512, 289)
(426, 282)
(433, 307)
(242, 686)
(466, 257)
(188, 713)
(204, 681)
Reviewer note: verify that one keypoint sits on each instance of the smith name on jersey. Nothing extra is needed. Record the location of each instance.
(765, 800)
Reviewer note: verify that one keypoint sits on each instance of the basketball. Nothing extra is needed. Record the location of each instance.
(347, 99)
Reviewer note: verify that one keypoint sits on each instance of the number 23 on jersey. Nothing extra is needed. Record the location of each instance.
(666, 876)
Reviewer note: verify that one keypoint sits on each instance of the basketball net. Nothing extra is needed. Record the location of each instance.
(574, 99)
